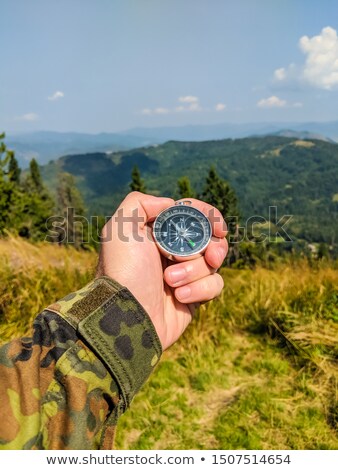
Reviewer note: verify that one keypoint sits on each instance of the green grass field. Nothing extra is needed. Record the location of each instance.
(257, 368)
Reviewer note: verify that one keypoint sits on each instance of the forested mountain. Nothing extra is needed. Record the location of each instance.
(300, 177)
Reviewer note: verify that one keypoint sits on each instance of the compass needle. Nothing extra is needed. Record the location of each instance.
(191, 243)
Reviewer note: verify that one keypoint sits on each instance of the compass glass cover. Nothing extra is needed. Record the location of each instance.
(182, 230)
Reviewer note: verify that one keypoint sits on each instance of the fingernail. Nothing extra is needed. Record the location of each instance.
(183, 292)
(177, 275)
(221, 254)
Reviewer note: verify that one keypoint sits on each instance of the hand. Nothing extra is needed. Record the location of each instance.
(166, 291)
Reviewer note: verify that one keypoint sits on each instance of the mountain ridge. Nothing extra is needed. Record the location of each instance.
(50, 145)
(299, 177)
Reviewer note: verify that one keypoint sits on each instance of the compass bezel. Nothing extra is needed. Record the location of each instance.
(184, 210)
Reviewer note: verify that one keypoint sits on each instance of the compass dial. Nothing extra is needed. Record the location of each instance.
(182, 231)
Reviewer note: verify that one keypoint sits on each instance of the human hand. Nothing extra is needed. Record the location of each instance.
(168, 292)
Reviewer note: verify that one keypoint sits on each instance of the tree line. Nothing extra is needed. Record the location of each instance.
(29, 210)
(25, 203)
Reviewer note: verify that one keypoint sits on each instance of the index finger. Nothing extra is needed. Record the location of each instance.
(218, 225)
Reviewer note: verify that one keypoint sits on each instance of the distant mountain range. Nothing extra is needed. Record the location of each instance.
(303, 135)
(198, 133)
(45, 145)
(298, 176)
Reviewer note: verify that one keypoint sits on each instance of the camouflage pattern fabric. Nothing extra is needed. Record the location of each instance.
(66, 385)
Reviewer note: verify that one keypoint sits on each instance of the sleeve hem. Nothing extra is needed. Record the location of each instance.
(117, 328)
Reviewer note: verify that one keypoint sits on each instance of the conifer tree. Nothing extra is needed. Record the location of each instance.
(218, 193)
(36, 204)
(184, 188)
(35, 174)
(14, 170)
(24, 206)
(137, 184)
(6, 189)
(73, 227)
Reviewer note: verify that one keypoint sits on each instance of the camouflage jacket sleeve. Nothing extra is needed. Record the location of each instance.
(66, 385)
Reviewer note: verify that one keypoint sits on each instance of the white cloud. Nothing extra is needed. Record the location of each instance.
(191, 107)
(194, 107)
(188, 99)
(280, 74)
(220, 106)
(287, 74)
(271, 102)
(321, 65)
(161, 111)
(190, 104)
(275, 102)
(27, 117)
(56, 96)
(321, 61)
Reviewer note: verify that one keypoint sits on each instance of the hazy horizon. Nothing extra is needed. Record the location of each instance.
(173, 126)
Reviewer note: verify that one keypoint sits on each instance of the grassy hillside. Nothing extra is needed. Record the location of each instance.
(297, 176)
(257, 369)
(31, 276)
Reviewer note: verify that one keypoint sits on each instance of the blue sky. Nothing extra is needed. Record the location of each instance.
(109, 65)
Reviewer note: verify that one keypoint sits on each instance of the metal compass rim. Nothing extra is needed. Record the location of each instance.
(185, 209)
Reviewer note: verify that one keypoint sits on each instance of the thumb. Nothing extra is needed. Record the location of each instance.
(148, 206)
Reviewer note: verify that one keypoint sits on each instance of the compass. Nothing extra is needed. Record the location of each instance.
(182, 230)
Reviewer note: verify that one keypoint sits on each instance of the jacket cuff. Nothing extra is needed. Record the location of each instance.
(115, 325)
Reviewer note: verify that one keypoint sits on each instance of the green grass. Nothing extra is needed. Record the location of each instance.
(245, 395)
(257, 368)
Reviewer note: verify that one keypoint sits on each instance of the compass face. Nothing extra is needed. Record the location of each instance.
(182, 230)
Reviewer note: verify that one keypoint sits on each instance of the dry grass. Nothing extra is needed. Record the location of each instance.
(33, 276)
(256, 369)
(303, 143)
(22, 255)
